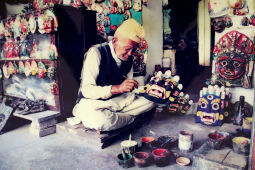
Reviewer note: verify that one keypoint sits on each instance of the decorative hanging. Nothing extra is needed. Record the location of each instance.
(51, 72)
(218, 8)
(32, 23)
(27, 69)
(17, 28)
(21, 67)
(53, 53)
(15, 71)
(2, 30)
(34, 53)
(41, 70)
(5, 71)
(137, 5)
(10, 68)
(54, 88)
(33, 68)
(10, 48)
(23, 48)
(127, 4)
(233, 58)
(213, 106)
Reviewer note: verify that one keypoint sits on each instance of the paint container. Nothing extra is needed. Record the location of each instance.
(127, 162)
(146, 141)
(141, 159)
(241, 145)
(129, 146)
(161, 156)
(215, 140)
(185, 142)
(247, 123)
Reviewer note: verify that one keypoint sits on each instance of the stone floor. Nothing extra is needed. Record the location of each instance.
(21, 150)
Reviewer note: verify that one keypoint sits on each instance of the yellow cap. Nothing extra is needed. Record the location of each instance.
(131, 29)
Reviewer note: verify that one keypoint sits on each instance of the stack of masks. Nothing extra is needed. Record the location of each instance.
(213, 105)
(166, 89)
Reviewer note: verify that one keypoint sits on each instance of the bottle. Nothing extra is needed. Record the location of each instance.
(238, 118)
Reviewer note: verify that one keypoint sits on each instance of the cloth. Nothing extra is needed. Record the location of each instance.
(107, 114)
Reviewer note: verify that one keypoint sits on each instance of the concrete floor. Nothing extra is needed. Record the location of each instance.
(21, 150)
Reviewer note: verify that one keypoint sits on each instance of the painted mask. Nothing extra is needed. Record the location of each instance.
(137, 5)
(5, 71)
(212, 105)
(160, 87)
(54, 88)
(51, 72)
(127, 4)
(181, 104)
(252, 21)
(218, 8)
(10, 68)
(21, 67)
(1, 30)
(127, 15)
(41, 70)
(231, 57)
(34, 68)
(219, 24)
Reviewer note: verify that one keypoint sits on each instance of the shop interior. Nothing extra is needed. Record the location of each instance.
(205, 48)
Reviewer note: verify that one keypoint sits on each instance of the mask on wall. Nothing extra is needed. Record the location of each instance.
(213, 105)
(239, 7)
(233, 57)
(219, 24)
(218, 8)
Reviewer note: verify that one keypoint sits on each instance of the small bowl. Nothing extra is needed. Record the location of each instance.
(147, 140)
(241, 145)
(161, 156)
(163, 142)
(141, 159)
(183, 161)
(128, 162)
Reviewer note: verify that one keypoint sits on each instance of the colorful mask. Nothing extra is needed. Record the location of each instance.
(32, 24)
(160, 87)
(137, 5)
(54, 88)
(41, 70)
(218, 8)
(233, 56)
(10, 49)
(34, 68)
(245, 21)
(51, 72)
(53, 53)
(219, 24)
(212, 105)
(10, 68)
(252, 20)
(181, 104)
(27, 69)
(21, 67)
(5, 71)
(127, 4)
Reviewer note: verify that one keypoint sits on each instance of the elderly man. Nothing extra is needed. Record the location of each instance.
(106, 101)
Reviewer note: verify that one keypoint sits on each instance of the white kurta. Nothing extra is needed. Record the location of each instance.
(109, 114)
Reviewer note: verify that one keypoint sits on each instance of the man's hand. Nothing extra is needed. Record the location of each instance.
(126, 86)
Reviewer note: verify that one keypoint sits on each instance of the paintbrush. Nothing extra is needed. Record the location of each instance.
(123, 154)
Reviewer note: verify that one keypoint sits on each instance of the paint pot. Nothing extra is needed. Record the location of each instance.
(163, 142)
(146, 141)
(129, 146)
(127, 162)
(141, 159)
(241, 145)
(215, 140)
(247, 123)
(185, 142)
(161, 156)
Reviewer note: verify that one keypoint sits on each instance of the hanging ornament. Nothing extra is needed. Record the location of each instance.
(41, 24)
(245, 21)
(252, 20)
(127, 15)
(23, 48)
(127, 4)
(10, 68)
(51, 72)
(137, 5)
(5, 71)
(7, 32)
(16, 29)
(10, 48)
(120, 6)
(15, 71)
(34, 53)
(1, 30)
(24, 26)
(33, 68)
(229, 22)
(21, 67)
(27, 69)
(11, 21)
(1, 74)
(32, 23)
(54, 88)
(41, 70)
(53, 53)
(50, 21)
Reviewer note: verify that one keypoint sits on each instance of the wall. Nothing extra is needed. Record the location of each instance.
(153, 25)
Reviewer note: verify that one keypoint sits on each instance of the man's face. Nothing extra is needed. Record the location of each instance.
(123, 48)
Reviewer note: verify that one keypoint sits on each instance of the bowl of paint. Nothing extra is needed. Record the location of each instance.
(141, 159)
(183, 161)
(146, 141)
(163, 142)
(125, 160)
(247, 123)
(241, 145)
(161, 156)
(215, 140)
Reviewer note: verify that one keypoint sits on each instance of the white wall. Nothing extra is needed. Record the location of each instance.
(153, 25)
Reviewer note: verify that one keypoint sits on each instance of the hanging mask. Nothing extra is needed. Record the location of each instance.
(21, 67)
(231, 57)
(10, 68)
(2, 30)
(218, 8)
(252, 20)
(32, 23)
(24, 26)
(137, 5)
(41, 70)
(50, 22)
(15, 71)
(34, 53)
(27, 69)
(212, 106)
(41, 23)
(33, 68)
(5, 71)
(245, 21)
(54, 88)
(228, 22)
(7, 31)
(53, 53)
(127, 4)
(51, 72)
(219, 24)
(10, 49)
(23, 48)
(127, 15)
(17, 30)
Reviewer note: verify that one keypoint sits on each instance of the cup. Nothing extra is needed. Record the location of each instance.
(185, 142)
(125, 162)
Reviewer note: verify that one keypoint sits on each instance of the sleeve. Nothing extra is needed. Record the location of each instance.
(89, 75)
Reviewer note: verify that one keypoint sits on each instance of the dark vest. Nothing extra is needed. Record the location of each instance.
(109, 72)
